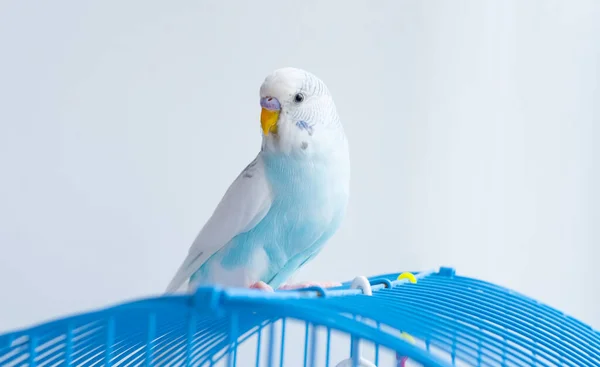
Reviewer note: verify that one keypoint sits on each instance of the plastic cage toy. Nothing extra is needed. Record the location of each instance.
(422, 318)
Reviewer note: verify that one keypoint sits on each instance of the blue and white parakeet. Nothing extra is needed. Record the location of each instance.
(287, 203)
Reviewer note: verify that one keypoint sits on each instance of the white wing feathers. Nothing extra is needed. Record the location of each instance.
(244, 205)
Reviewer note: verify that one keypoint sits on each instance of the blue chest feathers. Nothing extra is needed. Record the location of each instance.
(309, 201)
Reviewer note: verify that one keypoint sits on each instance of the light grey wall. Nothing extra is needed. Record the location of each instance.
(470, 123)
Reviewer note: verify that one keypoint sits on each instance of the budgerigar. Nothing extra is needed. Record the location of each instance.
(287, 203)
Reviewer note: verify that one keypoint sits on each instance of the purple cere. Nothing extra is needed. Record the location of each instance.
(270, 103)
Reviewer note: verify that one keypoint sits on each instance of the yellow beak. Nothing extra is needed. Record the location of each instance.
(268, 121)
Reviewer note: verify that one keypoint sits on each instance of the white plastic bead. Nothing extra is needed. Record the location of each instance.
(362, 283)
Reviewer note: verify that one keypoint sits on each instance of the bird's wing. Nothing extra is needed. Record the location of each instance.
(243, 206)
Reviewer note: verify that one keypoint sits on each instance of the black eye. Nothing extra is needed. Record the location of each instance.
(299, 97)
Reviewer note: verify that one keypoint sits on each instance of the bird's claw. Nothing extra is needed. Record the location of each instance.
(262, 286)
(310, 284)
(265, 287)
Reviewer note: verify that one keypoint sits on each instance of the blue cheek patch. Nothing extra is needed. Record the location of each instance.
(303, 125)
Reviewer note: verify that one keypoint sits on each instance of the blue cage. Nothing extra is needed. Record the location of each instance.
(422, 318)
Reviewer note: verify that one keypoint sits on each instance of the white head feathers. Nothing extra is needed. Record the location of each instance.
(303, 117)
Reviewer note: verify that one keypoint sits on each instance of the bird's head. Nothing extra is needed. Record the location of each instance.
(298, 114)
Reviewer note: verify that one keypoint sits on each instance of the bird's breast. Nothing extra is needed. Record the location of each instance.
(309, 200)
(306, 193)
(306, 180)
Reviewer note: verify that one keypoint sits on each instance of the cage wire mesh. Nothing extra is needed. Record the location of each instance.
(409, 319)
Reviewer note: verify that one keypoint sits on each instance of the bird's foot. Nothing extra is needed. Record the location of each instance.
(262, 286)
(265, 287)
(310, 284)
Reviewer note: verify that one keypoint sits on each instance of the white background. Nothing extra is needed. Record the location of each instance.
(471, 126)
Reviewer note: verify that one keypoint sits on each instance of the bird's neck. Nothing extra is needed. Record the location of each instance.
(292, 174)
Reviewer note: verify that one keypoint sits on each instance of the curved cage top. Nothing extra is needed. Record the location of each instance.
(429, 318)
